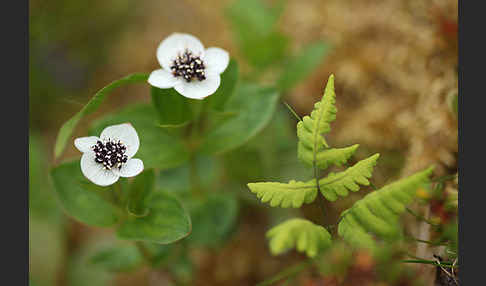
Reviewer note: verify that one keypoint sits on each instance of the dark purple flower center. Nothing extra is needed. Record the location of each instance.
(188, 66)
(110, 153)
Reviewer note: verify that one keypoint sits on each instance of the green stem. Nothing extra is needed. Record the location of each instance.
(286, 273)
(292, 111)
(419, 217)
(194, 177)
(115, 194)
(444, 178)
(373, 186)
(146, 254)
(199, 109)
(433, 243)
(424, 261)
(320, 200)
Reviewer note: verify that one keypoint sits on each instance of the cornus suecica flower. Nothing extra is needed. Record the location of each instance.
(109, 157)
(187, 67)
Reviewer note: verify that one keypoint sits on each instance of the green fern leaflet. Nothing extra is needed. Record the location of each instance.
(338, 184)
(302, 234)
(378, 212)
(311, 128)
(294, 194)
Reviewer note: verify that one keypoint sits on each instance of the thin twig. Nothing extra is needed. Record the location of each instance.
(373, 186)
(286, 273)
(434, 243)
(445, 271)
(424, 261)
(419, 217)
(292, 111)
(444, 178)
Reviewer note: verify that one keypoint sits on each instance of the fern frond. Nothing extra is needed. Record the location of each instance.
(293, 194)
(311, 128)
(378, 212)
(326, 157)
(338, 184)
(300, 233)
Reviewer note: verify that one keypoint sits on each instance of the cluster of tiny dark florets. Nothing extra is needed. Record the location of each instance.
(188, 66)
(110, 153)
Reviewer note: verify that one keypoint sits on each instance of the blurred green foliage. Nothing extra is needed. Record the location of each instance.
(68, 42)
(46, 221)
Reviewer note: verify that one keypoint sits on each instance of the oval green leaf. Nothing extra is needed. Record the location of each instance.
(166, 222)
(81, 199)
(172, 108)
(213, 219)
(254, 106)
(229, 77)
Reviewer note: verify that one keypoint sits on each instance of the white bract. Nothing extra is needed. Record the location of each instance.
(109, 157)
(187, 67)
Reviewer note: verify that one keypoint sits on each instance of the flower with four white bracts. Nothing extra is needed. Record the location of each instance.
(109, 157)
(187, 67)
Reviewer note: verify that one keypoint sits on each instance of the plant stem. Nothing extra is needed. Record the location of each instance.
(436, 243)
(199, 110)
(194, 177)
(419, 217)
(320, 200)
(146, 254)
(373, 186)
(292, 111)
(286, 273)
(115, 194)
(444, 178)
(424, 261)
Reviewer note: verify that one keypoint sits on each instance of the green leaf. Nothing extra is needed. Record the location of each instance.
(213, 219)
(263, 51)
(311, 128)
(178, 180)
(302, 65)
(118, 258)
(326, 157)
(166, 222)
(157, 148)
(172, 108)
(338, 184)
(68, 127)
(300, 233)
(253, 15)
(378, 212)
(218, 118)
(140, 189)
(229, 78)
(81, 199)
(255, 31)
(293, 194)
(255, 106)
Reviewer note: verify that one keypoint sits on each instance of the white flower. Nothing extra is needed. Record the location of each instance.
(187, 67)
(109, 157)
